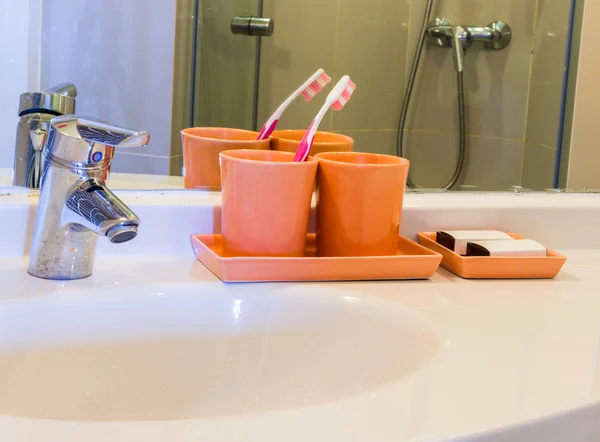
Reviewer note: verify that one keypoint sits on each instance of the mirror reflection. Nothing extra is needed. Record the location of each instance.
(478, 95)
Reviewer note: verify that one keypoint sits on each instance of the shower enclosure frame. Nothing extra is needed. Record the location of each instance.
(564, 120)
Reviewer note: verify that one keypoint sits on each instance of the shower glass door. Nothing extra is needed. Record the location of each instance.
(225, 66)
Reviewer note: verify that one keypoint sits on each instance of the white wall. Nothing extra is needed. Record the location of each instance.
(19, 65)
(119, 54)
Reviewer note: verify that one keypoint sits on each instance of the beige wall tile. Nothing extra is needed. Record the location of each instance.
(544, 115)
(176, 165)
(302, 42)
(145, 164)
(538, 167)
(226, 65)
(547, 72)
(496, 82)
(432, 158)
(490, 163)
(371, 49)
(374, 141)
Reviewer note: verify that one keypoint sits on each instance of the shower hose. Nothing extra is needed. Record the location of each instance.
(461, 105)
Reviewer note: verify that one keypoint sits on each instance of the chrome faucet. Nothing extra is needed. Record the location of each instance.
(496, 35)
(36, 109)
(75, 205)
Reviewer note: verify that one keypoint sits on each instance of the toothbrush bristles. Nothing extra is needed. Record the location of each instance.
(316, 86)
(345, 97)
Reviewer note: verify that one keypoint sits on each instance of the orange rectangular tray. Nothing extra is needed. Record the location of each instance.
(496, 267)
(412, 261)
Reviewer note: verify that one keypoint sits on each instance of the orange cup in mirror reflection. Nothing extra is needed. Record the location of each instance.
(201, 148)
(359, 203)
(288, 141)
(266, 202)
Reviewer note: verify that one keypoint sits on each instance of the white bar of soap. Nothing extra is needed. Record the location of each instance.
(456, 240)
(516, 247)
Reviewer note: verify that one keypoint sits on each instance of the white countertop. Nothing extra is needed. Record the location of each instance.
(515, 352)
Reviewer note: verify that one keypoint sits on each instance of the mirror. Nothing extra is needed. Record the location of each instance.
(163, 66)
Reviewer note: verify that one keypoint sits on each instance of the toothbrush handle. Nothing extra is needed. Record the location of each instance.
(305, 144)
(267, 129)
(307, 140)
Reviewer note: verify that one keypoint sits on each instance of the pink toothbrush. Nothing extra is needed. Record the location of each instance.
(309, 89)
(337, 99)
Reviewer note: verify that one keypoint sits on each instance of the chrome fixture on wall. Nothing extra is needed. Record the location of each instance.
(496, 35)
(75, 205)
(253, 26)
(36, 109)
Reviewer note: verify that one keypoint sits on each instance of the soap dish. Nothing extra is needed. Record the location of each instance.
(412, 261)
(496, 267)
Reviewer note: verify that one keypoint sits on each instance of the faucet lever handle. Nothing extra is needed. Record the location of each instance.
(67, 89)
(85, 141)
(97, 132)
(460, 37)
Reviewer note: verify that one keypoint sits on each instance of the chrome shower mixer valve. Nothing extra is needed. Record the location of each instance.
(495, 36)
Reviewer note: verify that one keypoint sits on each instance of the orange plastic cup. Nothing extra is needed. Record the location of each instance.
(288, 141)
(201, 148)
(266, 202)
(359, 203)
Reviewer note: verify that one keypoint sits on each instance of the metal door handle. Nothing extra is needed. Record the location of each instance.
(253, 26)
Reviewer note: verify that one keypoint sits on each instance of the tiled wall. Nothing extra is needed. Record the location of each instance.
(374, 42)
(226, 66)
(545, 94)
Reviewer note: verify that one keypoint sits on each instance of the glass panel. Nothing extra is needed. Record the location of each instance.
(226, 66)
(512, 95)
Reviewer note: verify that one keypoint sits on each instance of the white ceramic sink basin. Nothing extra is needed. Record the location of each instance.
(190, 352)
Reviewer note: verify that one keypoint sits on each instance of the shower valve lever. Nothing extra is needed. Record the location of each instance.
(460, 38)
(496, 35)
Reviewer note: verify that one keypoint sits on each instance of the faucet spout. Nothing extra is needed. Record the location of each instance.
(91, 205)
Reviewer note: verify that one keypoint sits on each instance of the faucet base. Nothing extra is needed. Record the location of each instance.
(61, 252)
(65, 259)
(57, 277)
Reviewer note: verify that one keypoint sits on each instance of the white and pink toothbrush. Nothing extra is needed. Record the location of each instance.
(309, 89)
(337, 99)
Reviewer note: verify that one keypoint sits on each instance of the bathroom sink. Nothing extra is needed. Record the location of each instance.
(190, 352)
